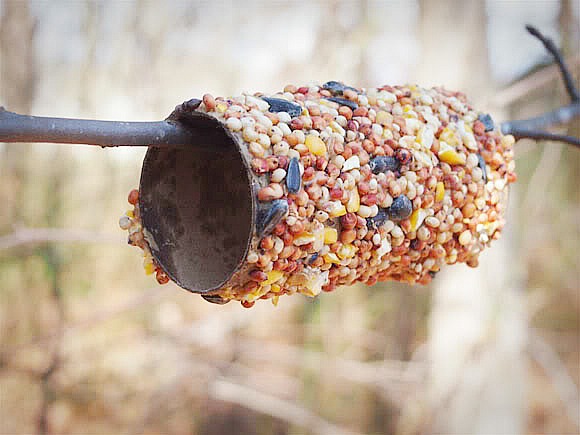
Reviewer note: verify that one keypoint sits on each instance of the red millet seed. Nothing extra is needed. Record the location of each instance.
(161, 277)
(247, 304)
(133, 197)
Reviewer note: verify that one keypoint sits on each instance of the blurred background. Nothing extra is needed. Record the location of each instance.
(89, 344)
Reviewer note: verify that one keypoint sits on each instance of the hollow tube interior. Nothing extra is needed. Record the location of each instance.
(196, 208)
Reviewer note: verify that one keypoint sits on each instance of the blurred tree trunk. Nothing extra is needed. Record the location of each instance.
(477, 324)
(16, 93)
(17, 56)
(17, 314)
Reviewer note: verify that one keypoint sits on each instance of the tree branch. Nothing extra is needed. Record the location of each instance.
(34, 236)
(553, 50)
(293, 414)
(23, 128)
(558, 374)
(533, 82)
(531, 128)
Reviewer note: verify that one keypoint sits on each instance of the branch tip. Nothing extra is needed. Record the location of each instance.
(559, 59)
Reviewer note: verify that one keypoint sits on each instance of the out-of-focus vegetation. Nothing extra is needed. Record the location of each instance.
(89, 344)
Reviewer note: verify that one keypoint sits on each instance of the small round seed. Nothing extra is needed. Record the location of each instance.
(278, 175)
(465, 238)
(432, 221)
(234, 124)
(209, 102)
(124, 222)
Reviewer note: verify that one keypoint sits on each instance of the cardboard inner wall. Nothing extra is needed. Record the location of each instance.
(196, 208)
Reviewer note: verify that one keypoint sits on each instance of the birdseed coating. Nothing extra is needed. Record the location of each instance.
(359, 185)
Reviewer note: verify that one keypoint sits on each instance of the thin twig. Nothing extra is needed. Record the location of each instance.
(532, 128)
(556, 371)
(536, 80)
(555, 52)
(47, 389)
(544, 135)
(292, 413)
(34, 236)
(562, 115)
(536, 191)
(151, 296)
(383, 374)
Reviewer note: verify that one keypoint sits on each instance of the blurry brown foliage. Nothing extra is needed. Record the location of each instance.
(89, 344)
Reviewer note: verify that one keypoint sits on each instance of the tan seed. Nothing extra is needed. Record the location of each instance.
(465, 237)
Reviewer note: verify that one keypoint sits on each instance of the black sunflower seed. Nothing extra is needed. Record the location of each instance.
(401, 208)
(383, 164)
(487, 121)
(269, 215)
(293, 178)
(280, 105)
(378, 220)
(337, 88)
(481, 164)
(215, 299)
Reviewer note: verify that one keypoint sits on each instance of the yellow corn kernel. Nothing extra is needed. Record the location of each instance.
(353, 203)
(452, 157)
(129, 213)
(338, 211)
(408, 112)
(417, 218)
(273, 276)
(346, 251)
(450, 137)
(331, 258)
(448, 154)
(275, 288)
(330, 235)
(221, 107)
(315, 145)
(149, 268)
(313, 285)
(439, 192)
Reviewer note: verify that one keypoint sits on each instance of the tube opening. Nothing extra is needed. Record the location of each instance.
(196, 207)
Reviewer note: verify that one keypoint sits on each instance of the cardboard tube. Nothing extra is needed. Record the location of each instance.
(321, 186)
